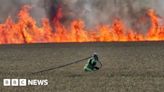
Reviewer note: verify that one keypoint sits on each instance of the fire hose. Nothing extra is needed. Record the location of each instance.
(64, 65)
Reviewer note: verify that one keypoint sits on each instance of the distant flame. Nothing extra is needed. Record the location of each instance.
(25, 30)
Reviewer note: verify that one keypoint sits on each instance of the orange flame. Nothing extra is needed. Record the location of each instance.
(25, 30)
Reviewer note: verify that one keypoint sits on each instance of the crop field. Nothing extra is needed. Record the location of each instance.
(127, 67)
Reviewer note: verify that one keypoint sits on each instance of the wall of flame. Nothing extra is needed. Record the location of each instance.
(25, 29)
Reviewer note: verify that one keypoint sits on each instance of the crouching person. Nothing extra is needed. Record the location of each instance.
(91, 65)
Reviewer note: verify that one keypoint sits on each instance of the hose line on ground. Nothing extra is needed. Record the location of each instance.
(54, 68)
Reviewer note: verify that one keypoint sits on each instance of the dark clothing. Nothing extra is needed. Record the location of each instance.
(91, 64)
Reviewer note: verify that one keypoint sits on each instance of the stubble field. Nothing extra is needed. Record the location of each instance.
(127, 67)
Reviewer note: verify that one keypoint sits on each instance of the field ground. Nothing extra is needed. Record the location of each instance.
(127, 67)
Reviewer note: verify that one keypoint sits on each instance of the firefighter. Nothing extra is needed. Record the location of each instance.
(90, 66)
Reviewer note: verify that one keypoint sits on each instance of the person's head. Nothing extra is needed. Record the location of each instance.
(95, 56)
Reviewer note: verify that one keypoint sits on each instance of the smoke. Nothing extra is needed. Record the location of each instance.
(12, 7)
(93, 12)
(7, 7)
(104, 11)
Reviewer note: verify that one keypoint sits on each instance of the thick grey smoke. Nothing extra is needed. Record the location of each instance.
(93, 12)
(104, 11)
(12, 7)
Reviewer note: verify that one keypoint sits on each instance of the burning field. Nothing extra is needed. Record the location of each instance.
(147, 25)
(128, 36)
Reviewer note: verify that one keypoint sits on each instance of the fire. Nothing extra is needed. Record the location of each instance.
(25, 30)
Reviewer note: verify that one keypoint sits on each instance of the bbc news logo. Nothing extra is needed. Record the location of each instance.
(24, 82)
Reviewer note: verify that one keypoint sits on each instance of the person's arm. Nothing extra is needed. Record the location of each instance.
(90, 62)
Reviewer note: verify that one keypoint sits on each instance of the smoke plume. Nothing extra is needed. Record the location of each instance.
(93, 12)
(104, 11)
